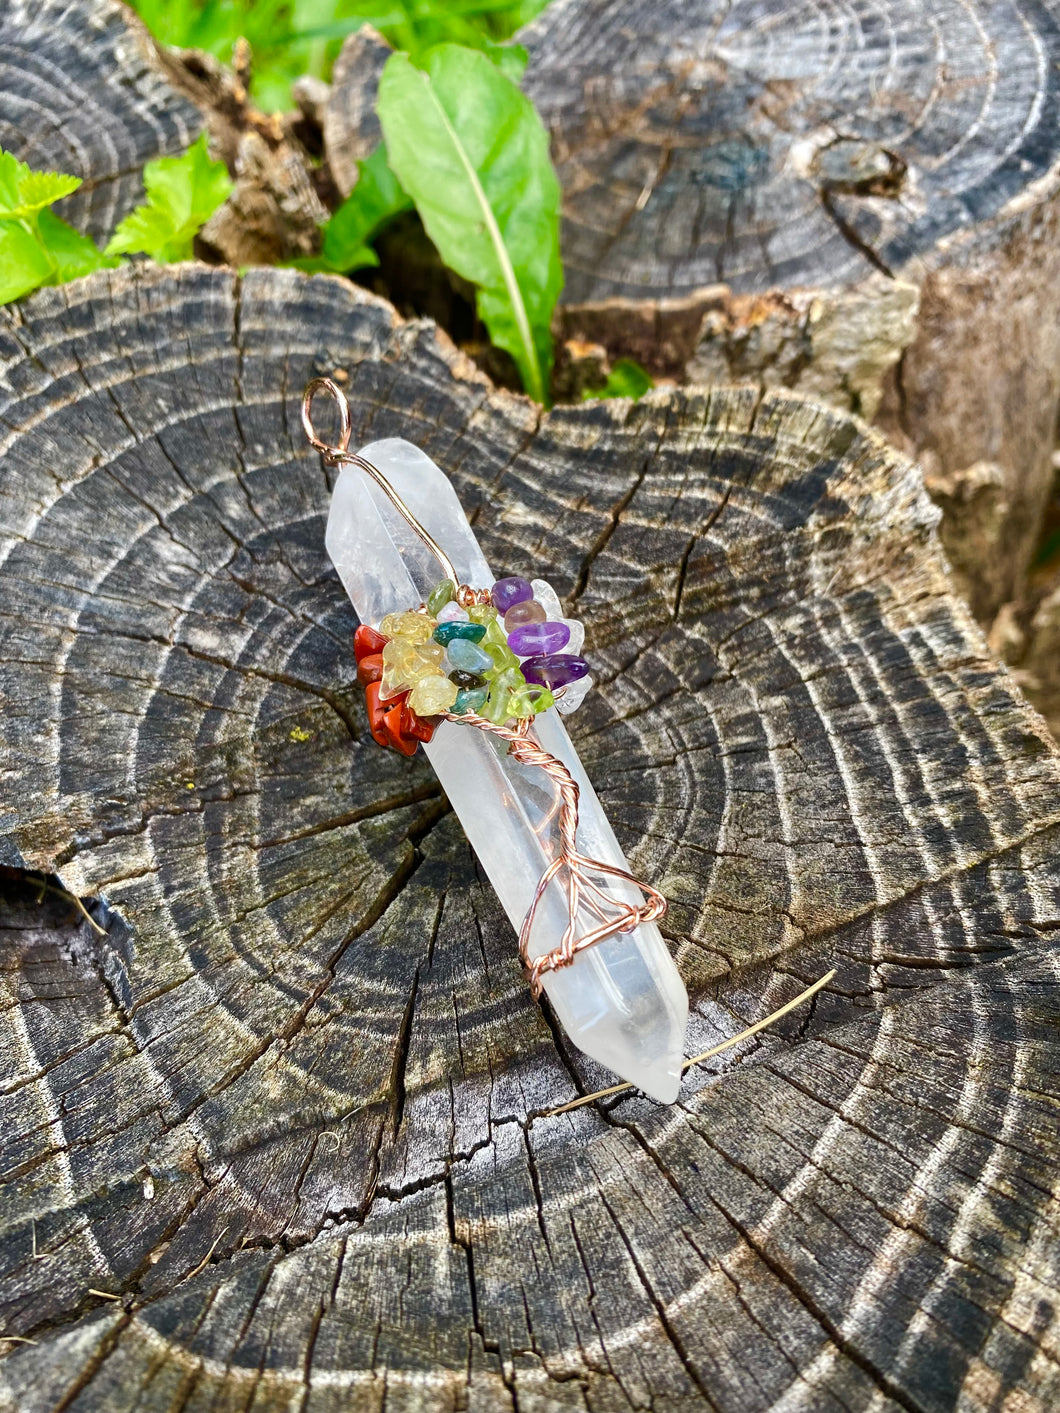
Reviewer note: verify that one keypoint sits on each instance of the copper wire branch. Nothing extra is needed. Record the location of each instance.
(582, 891)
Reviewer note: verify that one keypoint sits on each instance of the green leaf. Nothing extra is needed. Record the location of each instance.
(182, 195)
(470, 150)
(24, 263)
(292, 37)
(24, 192)
(626, 379)
(36, 247)
(375, 199)
(511, 59)
(40, 189)
(72, 253)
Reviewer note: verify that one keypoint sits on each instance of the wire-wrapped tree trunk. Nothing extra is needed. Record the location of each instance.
(281, 1138)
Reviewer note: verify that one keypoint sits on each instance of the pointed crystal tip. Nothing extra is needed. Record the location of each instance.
(624, 1004)
(660, 1082)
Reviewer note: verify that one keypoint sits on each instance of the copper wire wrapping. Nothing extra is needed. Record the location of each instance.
(614, 915)
(583, 892)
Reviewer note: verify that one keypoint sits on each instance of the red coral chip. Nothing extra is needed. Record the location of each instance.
(417, 726)
(370, 668)
(394, 719)
(376, 722)
(367, 641)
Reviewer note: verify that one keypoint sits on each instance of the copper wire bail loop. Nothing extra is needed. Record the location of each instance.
(331, 454)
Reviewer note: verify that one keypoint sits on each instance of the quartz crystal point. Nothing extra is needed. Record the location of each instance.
(622, 1001)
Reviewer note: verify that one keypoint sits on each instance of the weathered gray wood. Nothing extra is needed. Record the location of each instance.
(351, 128)
(81, 92)
(887, 174)
(84, 89)
(290, 1108)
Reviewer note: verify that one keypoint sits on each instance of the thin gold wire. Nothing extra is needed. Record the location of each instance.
(340, 454)
(706, 1054)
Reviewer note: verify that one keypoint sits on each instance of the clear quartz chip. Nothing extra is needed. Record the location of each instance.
(621, 1001)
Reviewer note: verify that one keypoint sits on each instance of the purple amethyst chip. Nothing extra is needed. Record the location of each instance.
(510, 591)
(554, 670)
(532, 638)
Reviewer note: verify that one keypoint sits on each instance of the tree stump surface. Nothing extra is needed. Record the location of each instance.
(861, 203)
(764, 146)
(82, 92)
(290, 1113)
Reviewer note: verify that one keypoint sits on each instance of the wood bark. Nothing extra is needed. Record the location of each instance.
(290, 1113)
(861, 204)
(350, 128)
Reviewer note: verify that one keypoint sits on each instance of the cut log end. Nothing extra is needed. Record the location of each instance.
(288, 1113)
(775, 194)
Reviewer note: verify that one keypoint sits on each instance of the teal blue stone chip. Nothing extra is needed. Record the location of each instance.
(467, 656)
(471, 699)
(446, 632)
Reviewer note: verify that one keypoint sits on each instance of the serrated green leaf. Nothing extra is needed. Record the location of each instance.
(36, 247)
(148, 228)
(72, 253)
(24, 192)
(40, 189)
(626, 379)
(182, 195)
(11, 170)
(470, 150)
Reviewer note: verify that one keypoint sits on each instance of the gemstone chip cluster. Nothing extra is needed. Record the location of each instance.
(505, 660)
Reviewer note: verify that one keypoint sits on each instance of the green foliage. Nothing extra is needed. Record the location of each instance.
(626, 379)
(467, 147)
(182, 195)
(288, 38)
(375, 199)
(472, 153)
(36, 247)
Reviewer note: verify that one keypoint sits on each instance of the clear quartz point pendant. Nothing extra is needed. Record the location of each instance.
(621, 1000)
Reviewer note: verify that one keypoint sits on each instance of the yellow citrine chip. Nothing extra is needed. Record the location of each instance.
(432, 695)
(406, 663)
(411, 627)
(399, 661)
